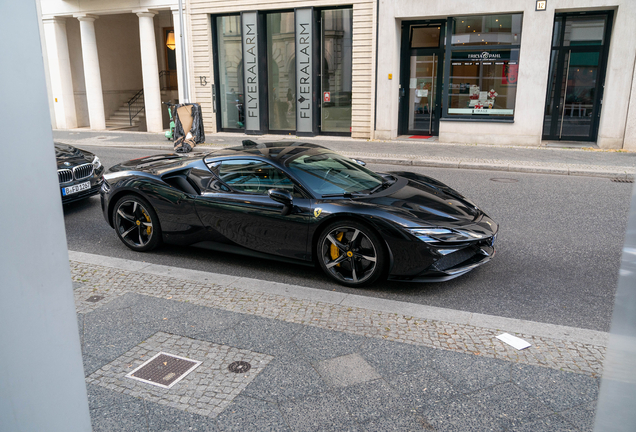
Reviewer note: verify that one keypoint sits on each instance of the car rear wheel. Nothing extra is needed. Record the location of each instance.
(351, 253)
(136, 223)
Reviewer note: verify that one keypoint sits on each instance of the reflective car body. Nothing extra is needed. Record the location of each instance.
(429, 231)
(78, 171)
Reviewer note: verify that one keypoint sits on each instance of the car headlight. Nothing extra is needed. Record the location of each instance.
(436, 234)
(96, 162)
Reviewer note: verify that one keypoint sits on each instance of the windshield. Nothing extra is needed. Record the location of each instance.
(332, 174)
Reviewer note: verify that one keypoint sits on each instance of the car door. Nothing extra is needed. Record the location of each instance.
(239, 209)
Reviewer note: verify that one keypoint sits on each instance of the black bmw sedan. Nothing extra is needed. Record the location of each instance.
(302, 202)
(78, 171)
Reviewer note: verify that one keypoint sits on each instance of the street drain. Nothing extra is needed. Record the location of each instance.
(623, 179)
(164, 370)
(94, 299)
(504, 180)
(239, 367)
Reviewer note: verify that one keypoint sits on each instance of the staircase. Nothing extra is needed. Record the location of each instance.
(120, 120)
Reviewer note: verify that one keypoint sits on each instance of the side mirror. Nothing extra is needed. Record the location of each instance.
(359, 162)
(283, 197)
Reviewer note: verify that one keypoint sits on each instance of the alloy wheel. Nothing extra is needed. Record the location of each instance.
(349, 255)
(134, 224)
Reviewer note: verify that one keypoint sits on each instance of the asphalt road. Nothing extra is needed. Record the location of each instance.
(558, 251)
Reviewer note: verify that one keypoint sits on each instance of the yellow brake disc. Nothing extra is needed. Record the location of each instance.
(333, 249)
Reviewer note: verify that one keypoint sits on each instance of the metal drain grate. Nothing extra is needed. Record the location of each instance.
(164, 370)
(623, 179)
(94, 299)
(239, 367)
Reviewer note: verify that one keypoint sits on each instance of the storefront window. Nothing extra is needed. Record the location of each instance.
(231, 71)
(337, 26)
(483, 81)
(281, 71)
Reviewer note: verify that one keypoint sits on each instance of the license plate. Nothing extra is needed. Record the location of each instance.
(76, 188)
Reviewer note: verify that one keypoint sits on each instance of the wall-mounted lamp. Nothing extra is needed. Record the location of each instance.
(170, 40)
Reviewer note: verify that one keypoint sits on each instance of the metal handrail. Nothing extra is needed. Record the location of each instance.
(135, 106)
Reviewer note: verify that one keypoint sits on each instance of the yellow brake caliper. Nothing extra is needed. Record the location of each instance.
(149, 228)
(333, 249)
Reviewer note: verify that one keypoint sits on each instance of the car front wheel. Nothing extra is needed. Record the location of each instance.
(136, 223)
(351, 253)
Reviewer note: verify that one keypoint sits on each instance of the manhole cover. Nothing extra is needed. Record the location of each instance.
(623, 180)
(164, 370)
(239, 367)
(504, 180)
(94, 299)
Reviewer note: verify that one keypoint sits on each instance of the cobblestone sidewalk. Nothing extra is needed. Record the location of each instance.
(94, 280)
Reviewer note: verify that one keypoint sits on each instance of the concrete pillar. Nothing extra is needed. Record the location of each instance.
(92, 75)
(42, 385)
(60, 72)
(150, 71)
(178, 54)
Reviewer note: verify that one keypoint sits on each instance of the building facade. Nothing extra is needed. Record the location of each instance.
(526, 72)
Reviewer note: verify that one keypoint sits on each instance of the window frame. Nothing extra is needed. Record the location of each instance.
(450, 49)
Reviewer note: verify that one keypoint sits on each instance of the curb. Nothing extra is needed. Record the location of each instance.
(624, 173)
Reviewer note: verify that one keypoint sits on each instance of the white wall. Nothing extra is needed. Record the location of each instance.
(534, 63)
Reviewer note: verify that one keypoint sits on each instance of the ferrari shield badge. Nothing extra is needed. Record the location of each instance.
(317, 211)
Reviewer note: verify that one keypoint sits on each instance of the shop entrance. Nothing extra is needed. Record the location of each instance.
(421, 78)
(577, 76)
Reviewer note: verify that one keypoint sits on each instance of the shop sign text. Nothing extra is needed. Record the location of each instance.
(304, 70)
(250, 69)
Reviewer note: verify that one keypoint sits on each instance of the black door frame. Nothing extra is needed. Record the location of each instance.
(562, 51)
(405, 73)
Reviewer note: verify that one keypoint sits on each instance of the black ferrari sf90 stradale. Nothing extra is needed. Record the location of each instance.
(303, 202)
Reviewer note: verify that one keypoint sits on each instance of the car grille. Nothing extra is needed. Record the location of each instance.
(83, 171)
(77, 173)
(64, 175)
(455, 258)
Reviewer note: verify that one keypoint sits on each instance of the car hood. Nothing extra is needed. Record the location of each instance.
(68, 156)
(423, 201)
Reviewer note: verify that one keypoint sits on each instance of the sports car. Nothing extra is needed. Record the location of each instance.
(300, 202)
(78, 171)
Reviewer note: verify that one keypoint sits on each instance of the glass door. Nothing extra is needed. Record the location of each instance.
(421, 79)
(577, 72)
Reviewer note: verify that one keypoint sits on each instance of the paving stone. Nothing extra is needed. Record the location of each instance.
(397, 422)
(574, 389)
(460, 414)
(162, 418)
(422, 388)
(247, 414)
(390, 357)
(346, 370)
(286, 378)
(511, 405)
(211, 378)
(554, 423)
(257, 334)
(470, 373)
(581, 416)
(321, 412)
(125, 413)
(319, 344)
(114, 283)
(370, 400)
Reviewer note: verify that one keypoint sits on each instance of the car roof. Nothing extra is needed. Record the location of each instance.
(276, 152)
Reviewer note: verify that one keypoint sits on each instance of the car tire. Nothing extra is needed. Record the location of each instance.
(136, 223)
(351, 253)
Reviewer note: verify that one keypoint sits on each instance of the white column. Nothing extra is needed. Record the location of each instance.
(92, 75)
(150, 71)
(178, 55)
(60, 72)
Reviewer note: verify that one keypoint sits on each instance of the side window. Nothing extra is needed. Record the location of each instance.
(254, 177)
